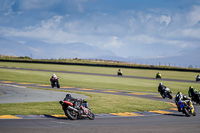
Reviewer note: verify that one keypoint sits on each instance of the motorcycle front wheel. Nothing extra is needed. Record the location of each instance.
(58, 85)
(170, 96)
(71, 114)
(91, 115)
(187, 113)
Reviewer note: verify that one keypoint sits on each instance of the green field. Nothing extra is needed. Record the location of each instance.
(96, 82)
(104, 70)
(97, 101)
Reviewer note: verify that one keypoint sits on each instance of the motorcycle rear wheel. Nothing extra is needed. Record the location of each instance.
(71, 114)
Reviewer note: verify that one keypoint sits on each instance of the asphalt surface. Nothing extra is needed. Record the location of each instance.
(13, 93)
(21, 91)
(176, 123)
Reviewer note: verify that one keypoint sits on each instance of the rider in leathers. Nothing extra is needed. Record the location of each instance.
(180, 97)
(161, 89)
(76, 102)
(193, 94)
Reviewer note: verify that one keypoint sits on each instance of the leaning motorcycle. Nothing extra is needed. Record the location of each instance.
(55, 82)
(186, 107)
(77, 109)
(196, 98)
(167, 93)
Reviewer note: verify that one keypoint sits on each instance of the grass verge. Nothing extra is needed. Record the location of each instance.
(99, 103)
(104, 70)
(94, 82)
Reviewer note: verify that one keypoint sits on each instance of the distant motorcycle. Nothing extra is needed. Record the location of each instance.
(119, 73)
(78, 109)
(55, 82)
(167, 93)
(187, 108)
(197, 78)
(158, 76)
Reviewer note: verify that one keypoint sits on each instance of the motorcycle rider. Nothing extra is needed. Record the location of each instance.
(180, 97)
(69, 98)
(76, 108)
(193, 93)
(76, 102)
(161, 89)
(120, 72)
(198, 78)
(158, 75)
(53, 77)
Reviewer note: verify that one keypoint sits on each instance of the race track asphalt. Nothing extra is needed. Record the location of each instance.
(174, 123)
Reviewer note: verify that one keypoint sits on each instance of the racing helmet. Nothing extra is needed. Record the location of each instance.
(179, 93)
(178, 96)
(68, 96)
(160, 83)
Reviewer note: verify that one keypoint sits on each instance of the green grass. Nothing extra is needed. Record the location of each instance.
(105, 70)
(99, 103)
(95, 82)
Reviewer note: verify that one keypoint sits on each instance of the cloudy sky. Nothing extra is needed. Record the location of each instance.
(148, 31)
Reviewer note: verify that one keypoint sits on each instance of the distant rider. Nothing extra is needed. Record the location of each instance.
(198, 78)
(193, 93)
(158, 75)
(53, 77)
(53, 80)
(120, 72)
(161, 89)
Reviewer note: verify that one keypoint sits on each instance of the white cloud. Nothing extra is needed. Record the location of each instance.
(52, 23)
(114, 32)
(144, 39)
(193, 17)
(165, 19)
(114, 42)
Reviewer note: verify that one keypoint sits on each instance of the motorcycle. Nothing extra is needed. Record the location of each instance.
(158, 76)
(78, 109)
(167, 93)
(196, 98)
(197, 78)
(55, 82)
(186, 107)
(119, 73)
